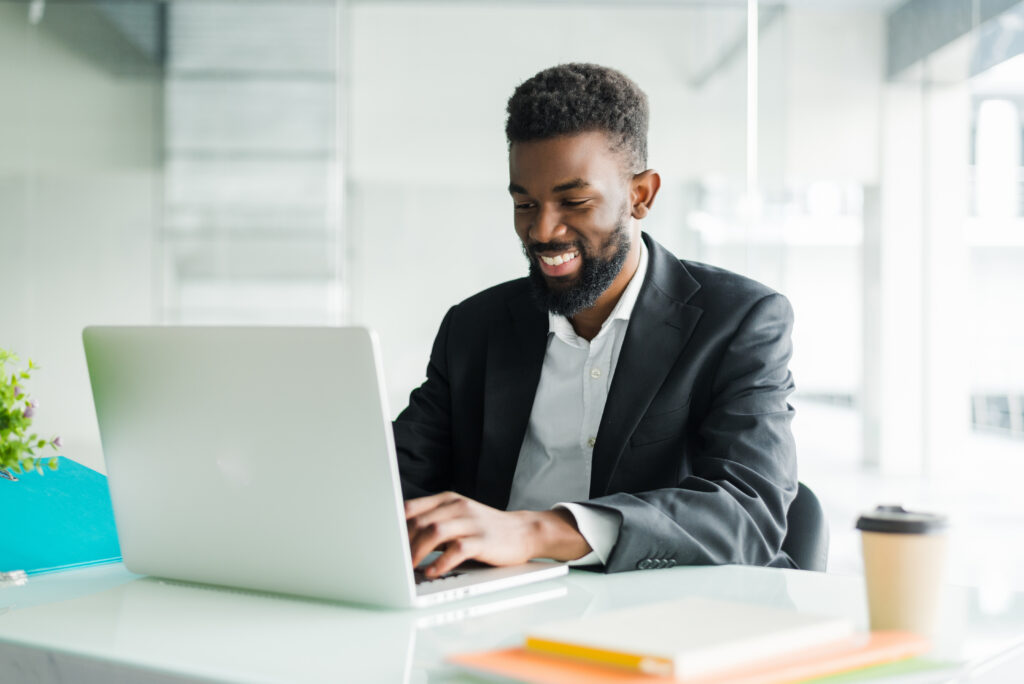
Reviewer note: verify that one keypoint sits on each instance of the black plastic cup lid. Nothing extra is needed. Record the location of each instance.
(898, 520)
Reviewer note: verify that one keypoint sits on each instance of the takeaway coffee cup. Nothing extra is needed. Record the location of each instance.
(904, 564)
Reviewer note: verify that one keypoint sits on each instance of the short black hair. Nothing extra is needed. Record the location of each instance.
(577, 98)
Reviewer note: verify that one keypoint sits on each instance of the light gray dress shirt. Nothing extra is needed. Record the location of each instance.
(554, 464)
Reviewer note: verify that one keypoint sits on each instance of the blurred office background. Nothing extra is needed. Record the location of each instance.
(330, 162)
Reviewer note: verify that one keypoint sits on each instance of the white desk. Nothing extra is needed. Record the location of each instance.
(104, 624)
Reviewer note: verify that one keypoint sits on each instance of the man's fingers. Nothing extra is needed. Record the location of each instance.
(428, 538)
(415, 507)
(434, 527)
(456, 552)
(456, 507)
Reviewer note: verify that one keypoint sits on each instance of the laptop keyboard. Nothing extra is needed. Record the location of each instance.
(423, 579)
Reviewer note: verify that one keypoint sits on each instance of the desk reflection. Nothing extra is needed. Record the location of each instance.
(154, 631)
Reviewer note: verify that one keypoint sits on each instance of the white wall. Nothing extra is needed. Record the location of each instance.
(835, 64)
(78, 183)
(430, 82)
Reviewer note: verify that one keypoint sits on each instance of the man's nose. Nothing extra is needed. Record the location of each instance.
(548, 225)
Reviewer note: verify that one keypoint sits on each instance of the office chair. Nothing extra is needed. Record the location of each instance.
(806, 539)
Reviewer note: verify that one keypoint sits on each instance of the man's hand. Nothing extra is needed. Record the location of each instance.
(467, 529)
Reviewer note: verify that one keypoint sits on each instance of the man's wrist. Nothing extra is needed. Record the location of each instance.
(554, 535)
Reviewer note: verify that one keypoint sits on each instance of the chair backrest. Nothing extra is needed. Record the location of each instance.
(806, 539)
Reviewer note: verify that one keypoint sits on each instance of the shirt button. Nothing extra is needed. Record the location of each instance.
(595, 373)
(591, 442)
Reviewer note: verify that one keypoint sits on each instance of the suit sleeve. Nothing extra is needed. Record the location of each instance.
(731, 505)
(423, 430)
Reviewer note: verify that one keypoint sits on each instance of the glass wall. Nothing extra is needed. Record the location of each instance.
(251, 226)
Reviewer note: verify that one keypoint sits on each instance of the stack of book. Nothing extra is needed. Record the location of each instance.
(694, 640)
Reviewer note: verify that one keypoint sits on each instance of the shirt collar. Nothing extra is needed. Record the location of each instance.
(562, 326)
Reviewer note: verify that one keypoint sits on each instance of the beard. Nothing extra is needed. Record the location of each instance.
(595, 275)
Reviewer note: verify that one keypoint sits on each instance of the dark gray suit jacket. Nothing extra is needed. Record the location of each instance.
(694, 451)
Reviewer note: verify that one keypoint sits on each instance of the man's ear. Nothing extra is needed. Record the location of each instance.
(645, 186)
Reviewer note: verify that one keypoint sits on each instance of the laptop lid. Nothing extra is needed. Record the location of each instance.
(253, 457)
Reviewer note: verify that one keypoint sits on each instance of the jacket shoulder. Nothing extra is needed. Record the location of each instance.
(721, 285)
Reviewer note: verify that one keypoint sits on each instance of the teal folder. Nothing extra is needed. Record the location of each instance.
(55, 521)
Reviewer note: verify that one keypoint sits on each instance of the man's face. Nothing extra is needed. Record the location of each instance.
(572, 214)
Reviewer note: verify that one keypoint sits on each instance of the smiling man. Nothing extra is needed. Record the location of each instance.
(618, 407)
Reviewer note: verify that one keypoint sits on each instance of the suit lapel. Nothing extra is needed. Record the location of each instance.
(515, 357)
(659, 328)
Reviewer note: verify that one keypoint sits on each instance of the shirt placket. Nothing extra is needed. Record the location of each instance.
(594, 378)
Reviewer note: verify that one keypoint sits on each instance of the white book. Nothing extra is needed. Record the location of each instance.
(689, 638)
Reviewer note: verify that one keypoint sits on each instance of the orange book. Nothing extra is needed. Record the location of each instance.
(851, 653)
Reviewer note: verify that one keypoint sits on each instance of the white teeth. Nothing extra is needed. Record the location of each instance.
(558, 260)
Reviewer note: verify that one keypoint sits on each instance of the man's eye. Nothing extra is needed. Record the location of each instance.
(523, 205)
(573, 203)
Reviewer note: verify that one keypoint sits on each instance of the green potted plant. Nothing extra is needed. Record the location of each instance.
(18, 444)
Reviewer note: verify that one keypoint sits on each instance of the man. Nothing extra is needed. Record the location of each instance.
(618, 407)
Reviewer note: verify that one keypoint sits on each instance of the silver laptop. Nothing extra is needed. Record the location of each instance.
(263, 458)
